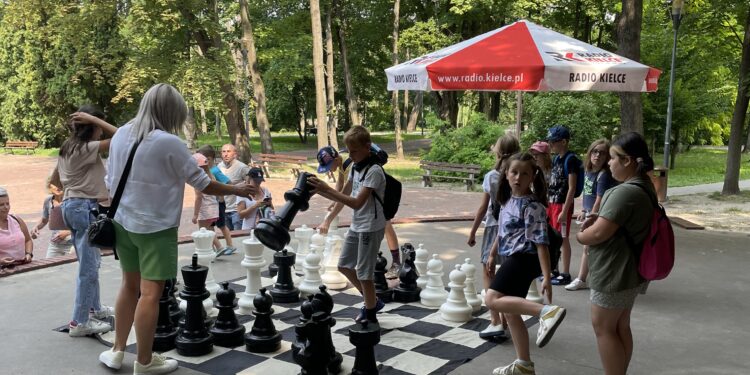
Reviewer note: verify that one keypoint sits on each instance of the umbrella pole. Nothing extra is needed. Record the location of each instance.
(519, 113)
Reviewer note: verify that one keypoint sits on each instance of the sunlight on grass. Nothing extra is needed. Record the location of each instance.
(742, 197)
(701, 166)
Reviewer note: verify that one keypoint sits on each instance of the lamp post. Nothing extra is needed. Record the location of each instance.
(677, 8)
(245, 89)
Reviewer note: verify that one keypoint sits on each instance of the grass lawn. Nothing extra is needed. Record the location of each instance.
(702, 166)
(284, 142)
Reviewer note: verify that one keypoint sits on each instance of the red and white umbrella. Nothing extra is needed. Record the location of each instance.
(522, 56)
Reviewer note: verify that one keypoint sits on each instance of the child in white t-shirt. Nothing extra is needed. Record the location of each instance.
(206, 210)
(257, 207)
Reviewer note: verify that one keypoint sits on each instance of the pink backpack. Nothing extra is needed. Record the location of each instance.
(656, 257)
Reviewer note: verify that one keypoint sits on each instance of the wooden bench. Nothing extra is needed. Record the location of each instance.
(470, 170)
(27, 146)
(295, 162)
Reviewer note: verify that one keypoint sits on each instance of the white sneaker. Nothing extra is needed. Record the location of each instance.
(89, 328)
(492, 331)
(104, 313)
(548, 323)
(577, 284)
(111, 358)
(515, 368)
(159, 365)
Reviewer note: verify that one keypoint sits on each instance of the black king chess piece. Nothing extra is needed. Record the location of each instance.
(274, 232)
(166, 332)
(193, 338)
(407, 290)
(381, 284)
(364, 336)
(227, 331)
(263, 337)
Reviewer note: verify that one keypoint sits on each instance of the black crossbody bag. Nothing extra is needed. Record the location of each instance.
(101, 232)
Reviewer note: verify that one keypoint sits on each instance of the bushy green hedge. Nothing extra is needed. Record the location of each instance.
(469, 144)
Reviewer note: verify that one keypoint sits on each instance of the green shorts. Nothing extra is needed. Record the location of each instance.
(154, 255)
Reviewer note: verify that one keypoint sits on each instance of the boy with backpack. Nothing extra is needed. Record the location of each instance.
(563, 188)
(364, 193)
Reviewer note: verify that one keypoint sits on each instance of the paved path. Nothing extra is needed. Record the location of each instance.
(704, 188)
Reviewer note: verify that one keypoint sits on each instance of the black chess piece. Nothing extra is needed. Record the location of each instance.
(263, 337)
(227, 331)
(310, 346)
(407, 290)
(273, 269)
(283, 290)
(322, 304)
(274, 232)
(381, 284)
(193, 338)
(364, 336)
(175, 314)
(166, 332)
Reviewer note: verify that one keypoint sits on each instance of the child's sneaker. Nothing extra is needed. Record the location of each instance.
(577, 284)
(104, 313)
(89, 328)
(548, 323)
(379, 304)
(111, 358)
(515, 368)
(492, 331)
(159, 365)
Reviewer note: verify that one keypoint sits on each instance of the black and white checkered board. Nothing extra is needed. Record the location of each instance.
(414, 339)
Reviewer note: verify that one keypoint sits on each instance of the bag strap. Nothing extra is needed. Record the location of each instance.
(121, 183)
(654, 202)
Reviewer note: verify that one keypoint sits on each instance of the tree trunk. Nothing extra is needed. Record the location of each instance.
(734, 157)
(189, 129)
(416, 109)
(519, 113)
(394, 97)
(747, 142)
(629, 45)
(259, 89)
(494, 107)
(204, 123)
(333, 118)
(320, 86)
(351, 95)
(217, 124)
(675, 148)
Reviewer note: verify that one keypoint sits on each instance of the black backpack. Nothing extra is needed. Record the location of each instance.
(392, 197)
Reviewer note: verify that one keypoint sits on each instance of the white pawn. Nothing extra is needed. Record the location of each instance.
(434, 294)
(331, 250)
(303, 235)
(312, 281)
(470, 290)
(253, 263)
(420, 261)
(456, 309)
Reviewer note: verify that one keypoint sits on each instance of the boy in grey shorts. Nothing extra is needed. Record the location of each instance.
(360, 250)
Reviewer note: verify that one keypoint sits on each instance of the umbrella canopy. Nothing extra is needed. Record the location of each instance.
(522, 56)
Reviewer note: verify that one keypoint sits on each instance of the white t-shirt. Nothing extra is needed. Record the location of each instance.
(365, 218)
(250, 221)
(489, 185)
(152, 200)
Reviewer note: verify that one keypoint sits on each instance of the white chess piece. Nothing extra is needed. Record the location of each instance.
(203, 240)
(434, 294)
(420, 261)
(253, 263)
(331, 245)
(302, 234)
(312, 280)
(456, 309)
(470, 289)
(533, 294)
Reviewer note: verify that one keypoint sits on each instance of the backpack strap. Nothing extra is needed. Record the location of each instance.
(623, 231)
(374, 194)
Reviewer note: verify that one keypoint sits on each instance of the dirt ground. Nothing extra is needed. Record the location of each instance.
(722, 214)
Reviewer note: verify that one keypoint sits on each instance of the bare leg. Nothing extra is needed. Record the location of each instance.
(520, 336)
(583, 270)
(351, 275)
(499, 302)
(146, 315)
(626, 336)
(611, 349)
(565, 255)
(125, 305)
(368, 291)
(227, 235)
(390, 236)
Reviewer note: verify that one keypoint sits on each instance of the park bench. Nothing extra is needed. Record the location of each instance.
(466, 172)
(27, 146)
(293, 161)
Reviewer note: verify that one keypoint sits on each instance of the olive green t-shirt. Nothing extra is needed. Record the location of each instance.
(612, 263)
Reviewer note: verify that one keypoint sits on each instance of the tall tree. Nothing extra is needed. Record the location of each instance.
(259, 89)
(732, 174)
(190, 129)
(394, 95)
(351, 95)
(629, 45)
(416, 110)
(320, 86)
(333, 118)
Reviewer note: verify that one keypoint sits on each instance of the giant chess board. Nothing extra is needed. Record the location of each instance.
(414, 339)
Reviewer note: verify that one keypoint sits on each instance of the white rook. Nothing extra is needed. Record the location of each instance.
(302, 234)
(253, 263)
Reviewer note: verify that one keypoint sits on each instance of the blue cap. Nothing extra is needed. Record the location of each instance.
(557, 133)
(326, 156)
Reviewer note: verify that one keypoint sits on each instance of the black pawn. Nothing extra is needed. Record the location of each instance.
(322, 305)
(283, 290)
(193, 338)
(166, 332)
(300, 332)
(381, 284)
(263, 337)
(310, 346)
(407, 290)
(364, 336)
(227, 330)
(175, 314)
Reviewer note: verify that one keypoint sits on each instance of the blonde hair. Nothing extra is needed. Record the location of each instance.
(358, 135)
(589, 166)
(504, 148)
(162, 107)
